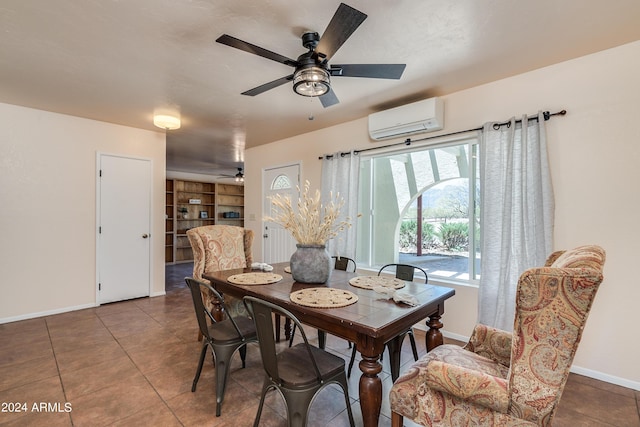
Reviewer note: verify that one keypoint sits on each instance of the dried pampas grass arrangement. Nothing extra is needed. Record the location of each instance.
(311, 223)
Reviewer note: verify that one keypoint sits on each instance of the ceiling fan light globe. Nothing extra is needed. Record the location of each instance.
(311, 81)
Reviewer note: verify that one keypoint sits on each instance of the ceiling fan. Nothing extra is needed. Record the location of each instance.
(238, 177)
(311, 76)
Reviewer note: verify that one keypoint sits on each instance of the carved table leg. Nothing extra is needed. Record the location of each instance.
(277, 323)
(370, 390)
(217, 312)
(434, 336)
(287, 328)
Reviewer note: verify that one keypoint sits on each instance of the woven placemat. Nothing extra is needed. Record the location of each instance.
(287, 269)
(323, 297)
(254, 278)
(369, 282)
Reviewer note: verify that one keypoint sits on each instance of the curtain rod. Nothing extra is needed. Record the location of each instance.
(547, 115)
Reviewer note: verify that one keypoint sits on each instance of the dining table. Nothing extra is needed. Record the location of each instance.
(372, 323)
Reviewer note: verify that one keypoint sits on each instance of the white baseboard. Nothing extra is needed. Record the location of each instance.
(46, 313)
(612, 379)
(158, 294)
(622, 382)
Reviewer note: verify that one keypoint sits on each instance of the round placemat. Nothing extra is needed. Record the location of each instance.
(370, 282)
(323, 297)
(287, 269)
(254, 278)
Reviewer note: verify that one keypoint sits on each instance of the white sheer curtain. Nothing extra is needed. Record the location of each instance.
(340, 175)
(516, 211)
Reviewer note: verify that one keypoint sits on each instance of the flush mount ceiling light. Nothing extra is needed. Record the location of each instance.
(166, 121)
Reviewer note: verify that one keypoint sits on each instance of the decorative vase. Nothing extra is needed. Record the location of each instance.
(310, 264)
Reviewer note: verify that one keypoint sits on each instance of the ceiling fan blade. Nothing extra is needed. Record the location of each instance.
(374, 71)
(344, 22)
(329, 99)
(267, 86)
(256, 50)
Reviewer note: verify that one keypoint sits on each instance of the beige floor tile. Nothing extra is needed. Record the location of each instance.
(114, 403)
(27, 371)
(158, 415)
(48, 391)
(99, 376)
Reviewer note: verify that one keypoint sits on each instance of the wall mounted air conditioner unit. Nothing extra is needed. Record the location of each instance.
(417, 117)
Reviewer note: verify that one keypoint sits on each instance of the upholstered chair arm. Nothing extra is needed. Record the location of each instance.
(553, 257)
(492, 343)
(468, 384)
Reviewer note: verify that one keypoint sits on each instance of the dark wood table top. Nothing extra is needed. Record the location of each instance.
(371, 322)
(373, 314)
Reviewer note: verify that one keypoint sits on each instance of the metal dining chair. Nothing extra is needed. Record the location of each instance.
(298, 372)
(402, 272)
(344, 263)
(224, 337)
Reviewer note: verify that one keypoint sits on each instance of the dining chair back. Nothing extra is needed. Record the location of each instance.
(402, 272)
(298, 372)
(220, 247)
(344, 263)
(223, 337)
(405, 271)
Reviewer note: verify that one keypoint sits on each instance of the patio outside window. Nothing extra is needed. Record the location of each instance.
(419, 206)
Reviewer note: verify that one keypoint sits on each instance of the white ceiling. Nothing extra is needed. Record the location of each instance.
(117, 61)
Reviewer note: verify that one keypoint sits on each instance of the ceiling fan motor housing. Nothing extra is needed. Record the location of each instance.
(310, 40)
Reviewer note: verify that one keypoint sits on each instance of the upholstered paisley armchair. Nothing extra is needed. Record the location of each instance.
(220, 247)
(508, 379)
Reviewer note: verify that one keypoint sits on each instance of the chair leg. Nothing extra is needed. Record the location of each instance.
(396, 419)
(353, 358)
(293, 334)
(265, 388)
(345, 389)
(222, 359)
(287, 328)
(203, 353)
(277, 323)
(413, 345)
(243, 355)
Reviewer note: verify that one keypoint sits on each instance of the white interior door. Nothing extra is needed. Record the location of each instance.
(278, 244)
(124, 225)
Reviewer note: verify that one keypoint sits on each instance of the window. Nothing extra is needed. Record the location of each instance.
(420, 206)
(281, 182)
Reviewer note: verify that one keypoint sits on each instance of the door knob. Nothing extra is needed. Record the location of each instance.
(145, 235)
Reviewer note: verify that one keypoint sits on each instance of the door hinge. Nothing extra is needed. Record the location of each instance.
(99, 286)
(100, 230)
(100, 172)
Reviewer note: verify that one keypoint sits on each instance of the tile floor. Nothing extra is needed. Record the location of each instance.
(132, 364)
